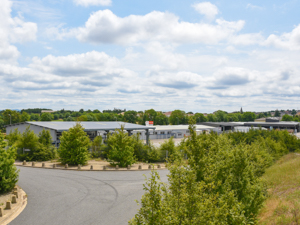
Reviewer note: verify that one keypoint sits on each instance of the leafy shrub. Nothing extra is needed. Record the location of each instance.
(96, 147)
(74, 145)
(121, 148)
(8, 172)
(219, 183)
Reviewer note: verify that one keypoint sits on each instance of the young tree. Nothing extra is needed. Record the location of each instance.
(24, 117)
(121, 148)
(74, 145)
(8, 172)
(96, 146)
(13, 137)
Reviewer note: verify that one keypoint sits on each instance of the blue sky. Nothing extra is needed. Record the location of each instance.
(190, 55)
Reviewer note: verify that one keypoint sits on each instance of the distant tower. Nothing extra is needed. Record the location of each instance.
(241, 110)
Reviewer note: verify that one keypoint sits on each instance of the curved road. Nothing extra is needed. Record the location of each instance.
(80, 197)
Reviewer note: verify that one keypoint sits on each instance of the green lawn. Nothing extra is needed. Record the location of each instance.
(283, 183)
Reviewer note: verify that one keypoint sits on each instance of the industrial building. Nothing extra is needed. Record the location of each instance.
(93, 129)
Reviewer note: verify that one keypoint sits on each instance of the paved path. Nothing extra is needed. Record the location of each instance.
(80, 197)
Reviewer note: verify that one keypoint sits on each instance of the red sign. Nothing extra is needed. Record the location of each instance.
(150, 122)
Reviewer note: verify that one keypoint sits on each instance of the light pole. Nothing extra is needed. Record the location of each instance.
(9, 118)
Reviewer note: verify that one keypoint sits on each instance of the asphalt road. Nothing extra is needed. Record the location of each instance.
(80, 197)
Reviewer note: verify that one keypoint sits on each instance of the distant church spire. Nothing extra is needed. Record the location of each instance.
(241, 110)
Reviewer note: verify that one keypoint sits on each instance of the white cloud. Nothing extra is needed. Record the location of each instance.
(251, 6)
(290, 41)
(207, 9)
(13, 30)
(105, 27)
(87, 3)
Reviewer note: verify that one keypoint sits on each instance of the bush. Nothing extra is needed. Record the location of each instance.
(74, 145)
(40, 146)
(96, 147)
(8, 172)
(220, 181)
(121, 148)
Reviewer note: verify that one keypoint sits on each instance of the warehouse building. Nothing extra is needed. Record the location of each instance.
(93, 129)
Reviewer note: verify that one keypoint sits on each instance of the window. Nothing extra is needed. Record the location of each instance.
(155, 132)
(188, 131)
(162, 132)
(179, 135)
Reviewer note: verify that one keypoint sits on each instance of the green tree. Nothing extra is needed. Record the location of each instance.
(24, 117)
(277, 113)
(248, 116)
(45, 137)
(11, 114)
(199, 118)
(287, 118)
(13, 137)
(74, 145)
(294, 112)
(121, 148)
(96, 147)
(8, 172)
(177, 117)
(34, 117)
(221, 116)
(130, 116)
(211, 118)
(150, 115)
(161, 119)
(46, 117)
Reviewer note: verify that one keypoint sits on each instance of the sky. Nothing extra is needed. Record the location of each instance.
(194, 56)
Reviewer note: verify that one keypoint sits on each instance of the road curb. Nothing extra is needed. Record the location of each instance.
(17, 208)
(103, 170)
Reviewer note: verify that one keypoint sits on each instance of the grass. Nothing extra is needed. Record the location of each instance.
(282, 206)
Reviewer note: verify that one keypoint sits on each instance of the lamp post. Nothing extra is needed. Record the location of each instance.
(9, 118)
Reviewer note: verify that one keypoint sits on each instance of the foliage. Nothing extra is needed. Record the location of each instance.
(96, 147)
(178, 117)
(8, 172)
(121, 148)
(248, 116)
(46, 117)
(13, 137)
(287, 118)
(220, 181)
(199, 117)
(74, 145)
(130, 116)
(11, 114)
(41, 148)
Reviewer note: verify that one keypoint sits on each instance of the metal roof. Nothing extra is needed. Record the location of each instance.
(273, 124)
(181, 127)
(89, 126)
(222, 124)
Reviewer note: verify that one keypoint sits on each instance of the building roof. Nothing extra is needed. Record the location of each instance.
(273, 124)
(181, 127)
(222, 124)
(88, 126)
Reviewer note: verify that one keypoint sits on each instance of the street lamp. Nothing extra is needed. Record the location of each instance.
(9, 118)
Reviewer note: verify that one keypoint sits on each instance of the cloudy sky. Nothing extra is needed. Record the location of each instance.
(162, 54)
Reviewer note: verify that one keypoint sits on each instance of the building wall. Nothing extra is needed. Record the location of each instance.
(35, 129)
